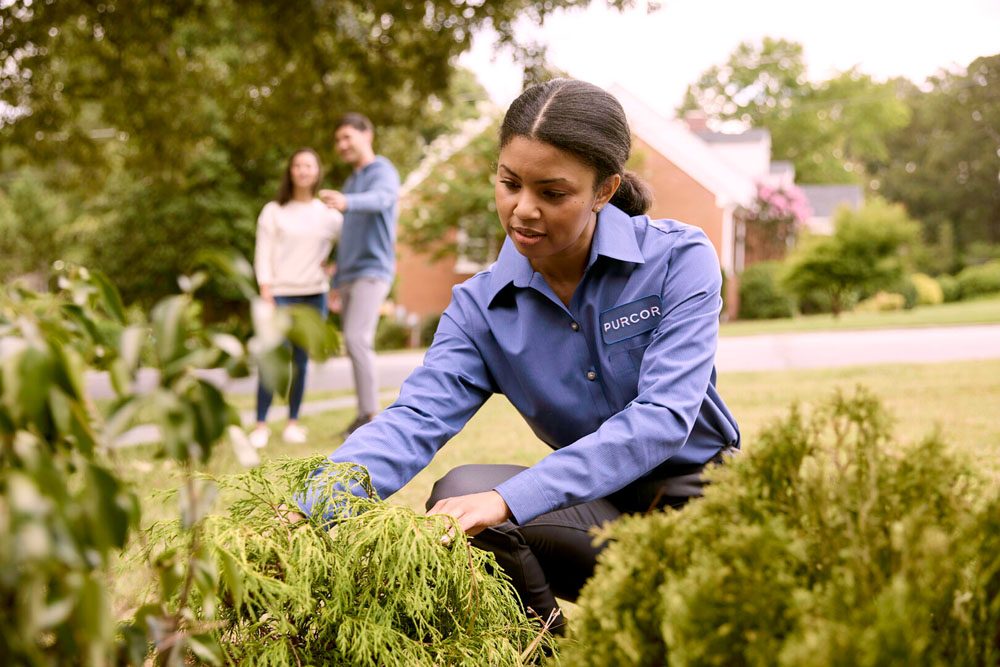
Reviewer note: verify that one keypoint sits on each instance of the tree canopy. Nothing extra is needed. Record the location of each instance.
(827, 129)
(944, 165)
(165, 124)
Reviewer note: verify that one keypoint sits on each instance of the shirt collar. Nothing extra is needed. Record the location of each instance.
(614, 238)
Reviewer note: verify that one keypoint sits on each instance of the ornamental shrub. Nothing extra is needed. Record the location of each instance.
(979, 280)
(882, 302)
(377, 587)
(929, 291)
(761, 297)
(826, 543)
(391, 334)
(949, 288)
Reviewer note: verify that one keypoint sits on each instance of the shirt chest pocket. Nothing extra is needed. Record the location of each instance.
(625, 358)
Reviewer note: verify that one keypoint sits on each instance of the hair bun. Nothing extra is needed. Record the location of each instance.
(633, 196)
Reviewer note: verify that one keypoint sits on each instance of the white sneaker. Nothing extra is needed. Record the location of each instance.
(259, 436)
(294, 434)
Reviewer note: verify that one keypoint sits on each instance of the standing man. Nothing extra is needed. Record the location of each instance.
(366, 253)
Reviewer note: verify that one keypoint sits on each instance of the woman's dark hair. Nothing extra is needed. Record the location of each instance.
(356, 120)
(586, 121)
(287, 188)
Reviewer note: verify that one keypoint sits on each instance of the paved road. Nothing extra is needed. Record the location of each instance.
(858, 348)
(736, 354)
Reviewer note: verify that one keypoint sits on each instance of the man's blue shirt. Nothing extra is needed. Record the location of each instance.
(367, 246)
(619, 383)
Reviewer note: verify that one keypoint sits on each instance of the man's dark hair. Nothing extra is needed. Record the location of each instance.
(356, 120)
(287, 189)
(586, 121)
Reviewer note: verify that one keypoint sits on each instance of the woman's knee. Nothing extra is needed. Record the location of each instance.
(471, 478)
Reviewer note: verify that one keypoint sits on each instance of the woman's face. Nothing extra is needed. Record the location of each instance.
(304, 170)
(545, 199)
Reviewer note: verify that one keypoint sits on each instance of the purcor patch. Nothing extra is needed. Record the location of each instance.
(630, 319)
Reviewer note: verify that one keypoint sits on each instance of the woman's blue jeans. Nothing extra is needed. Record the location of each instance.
(300, 361)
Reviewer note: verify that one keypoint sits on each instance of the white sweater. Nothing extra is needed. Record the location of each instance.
(293, 242)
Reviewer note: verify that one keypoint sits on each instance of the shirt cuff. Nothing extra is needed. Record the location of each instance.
(524, 498)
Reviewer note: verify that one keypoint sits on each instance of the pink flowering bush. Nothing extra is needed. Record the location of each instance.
(772, 221)
(785, 203)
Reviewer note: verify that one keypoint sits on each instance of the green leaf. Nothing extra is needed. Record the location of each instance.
(121, 380)
(274, 367)
(170, 574)
(69, 370)
(196, 500)
(206, 648)
(232, 578)
(168, 328)
(229, 344)
(234, 267)
(27, 376)
(84, 323)
(130, 346)
(111, 518)
(311, 332)
(94, 616)
(110, 298)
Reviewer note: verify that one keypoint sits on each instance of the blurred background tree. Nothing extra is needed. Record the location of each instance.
(827, 129)
(161, 128)
(944, 165)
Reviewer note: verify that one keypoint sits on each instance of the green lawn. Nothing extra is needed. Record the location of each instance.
(962, 399)
(979, 311)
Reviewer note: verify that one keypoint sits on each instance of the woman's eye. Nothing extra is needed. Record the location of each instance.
(549, 194)
(511, 185)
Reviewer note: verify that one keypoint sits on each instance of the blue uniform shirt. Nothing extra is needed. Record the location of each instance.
(367, 246)
(619, 383)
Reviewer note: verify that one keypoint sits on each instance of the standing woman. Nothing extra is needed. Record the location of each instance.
(295, 235)
(597, 323)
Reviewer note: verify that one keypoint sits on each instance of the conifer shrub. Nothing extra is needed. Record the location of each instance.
(377, 587)
(826, 543)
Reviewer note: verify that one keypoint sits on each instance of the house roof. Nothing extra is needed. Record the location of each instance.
(747, 137)
(672, 139)
(825, 199)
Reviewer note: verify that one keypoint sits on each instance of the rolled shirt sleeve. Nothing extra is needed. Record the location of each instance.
(381, 193)
(435, 402)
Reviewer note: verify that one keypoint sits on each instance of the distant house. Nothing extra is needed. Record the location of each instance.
(824, 200)
(697, 176)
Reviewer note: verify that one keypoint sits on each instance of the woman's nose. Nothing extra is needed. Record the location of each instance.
(526, 207)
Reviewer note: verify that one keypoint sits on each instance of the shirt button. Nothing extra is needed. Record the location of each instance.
(574, 326)
(591, 375)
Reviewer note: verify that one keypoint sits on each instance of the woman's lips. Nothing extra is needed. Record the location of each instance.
(525, 236)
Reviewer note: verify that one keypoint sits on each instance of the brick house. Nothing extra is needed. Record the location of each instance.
(697, 176)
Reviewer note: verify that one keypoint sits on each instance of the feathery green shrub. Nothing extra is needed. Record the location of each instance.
(377, 587)
(824, 544)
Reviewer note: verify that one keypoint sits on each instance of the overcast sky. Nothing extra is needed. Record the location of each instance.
(657, 55)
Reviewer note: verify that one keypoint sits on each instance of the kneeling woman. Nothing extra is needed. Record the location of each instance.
(600, 327)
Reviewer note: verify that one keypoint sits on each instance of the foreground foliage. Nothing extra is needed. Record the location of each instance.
(376, 588)
(825, 544)
(66, 509)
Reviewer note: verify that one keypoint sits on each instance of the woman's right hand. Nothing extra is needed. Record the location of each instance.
(265, 294)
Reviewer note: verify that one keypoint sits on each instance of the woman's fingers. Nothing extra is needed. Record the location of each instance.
(474, 512)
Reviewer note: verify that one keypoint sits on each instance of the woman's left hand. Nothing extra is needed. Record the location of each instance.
(474, 512)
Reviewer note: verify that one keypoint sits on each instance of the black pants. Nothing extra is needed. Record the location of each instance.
(553, 555)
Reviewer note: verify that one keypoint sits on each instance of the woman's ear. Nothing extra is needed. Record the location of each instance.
(607, 190)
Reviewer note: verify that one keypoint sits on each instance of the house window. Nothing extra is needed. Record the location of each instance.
(474, 251)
